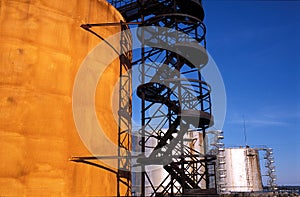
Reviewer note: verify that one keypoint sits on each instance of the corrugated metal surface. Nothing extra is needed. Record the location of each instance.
(242, 170)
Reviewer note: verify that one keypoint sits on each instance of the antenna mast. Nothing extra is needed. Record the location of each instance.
(245, 133)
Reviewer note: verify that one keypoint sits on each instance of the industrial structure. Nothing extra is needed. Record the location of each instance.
(180, 155)
(243, 170)
(175, 100)
(42, 47)
(269, 165)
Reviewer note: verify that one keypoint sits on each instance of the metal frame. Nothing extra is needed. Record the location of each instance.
(175, 100)
(219, 150)
(270, 167)
(175, 103)
(124, 123)
(123, 173)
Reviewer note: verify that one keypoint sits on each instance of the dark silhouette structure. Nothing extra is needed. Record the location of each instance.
(175, 100)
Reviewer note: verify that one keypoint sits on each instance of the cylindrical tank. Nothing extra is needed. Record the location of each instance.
(157, 174)
(195, 142)
(242, 170)
(41, 49)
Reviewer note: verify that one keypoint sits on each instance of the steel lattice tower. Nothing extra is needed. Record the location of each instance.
(175, 100)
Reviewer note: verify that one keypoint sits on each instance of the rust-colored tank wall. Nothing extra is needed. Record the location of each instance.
(41, 49)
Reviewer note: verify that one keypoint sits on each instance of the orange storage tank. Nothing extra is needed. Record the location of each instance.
(41, 49)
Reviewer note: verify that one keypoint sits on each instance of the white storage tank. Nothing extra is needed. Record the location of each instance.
(242, 170)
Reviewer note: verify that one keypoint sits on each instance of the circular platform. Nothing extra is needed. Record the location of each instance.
(193, 53)
(197, 118)
(192, 7)
(171, 28)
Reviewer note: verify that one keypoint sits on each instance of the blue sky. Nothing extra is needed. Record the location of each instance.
(256, 45)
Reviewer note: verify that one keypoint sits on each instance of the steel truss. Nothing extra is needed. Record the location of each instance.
(175, 99)
(123, 173)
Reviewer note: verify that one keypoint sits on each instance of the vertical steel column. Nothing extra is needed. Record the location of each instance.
(123, 156)
(124, 113)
